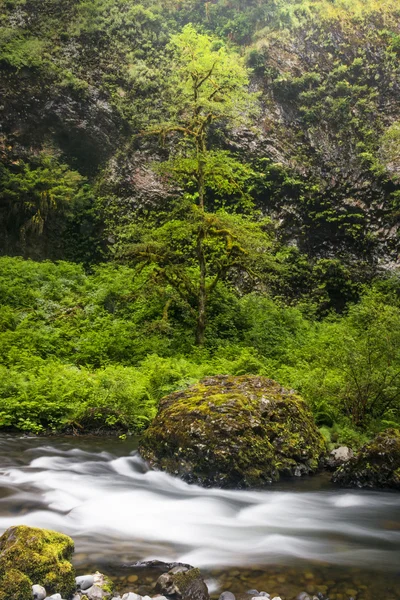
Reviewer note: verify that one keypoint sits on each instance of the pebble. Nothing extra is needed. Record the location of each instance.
(38, 592)
(131, 596)
(84, 582)
(253, 592)
(54, 597)
(227, 596)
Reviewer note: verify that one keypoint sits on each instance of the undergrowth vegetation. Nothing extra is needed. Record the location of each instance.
(89, 352)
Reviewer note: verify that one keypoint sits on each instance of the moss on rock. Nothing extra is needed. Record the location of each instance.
(377, 465)
(14, 585)
(233, 432)
(39, 556)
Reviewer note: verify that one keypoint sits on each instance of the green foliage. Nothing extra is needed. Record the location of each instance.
(30, 192)
(390, 149)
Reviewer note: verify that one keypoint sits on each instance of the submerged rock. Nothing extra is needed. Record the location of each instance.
(376, 465)
(38, 557)
(233, 432)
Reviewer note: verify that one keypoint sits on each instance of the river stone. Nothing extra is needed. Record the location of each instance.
(377, 465)
(40, 555)
(84, 582)
(38, 592)
(233, 432)
(190, 585)
(227, 596)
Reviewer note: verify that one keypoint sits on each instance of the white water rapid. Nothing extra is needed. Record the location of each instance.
(113, 505)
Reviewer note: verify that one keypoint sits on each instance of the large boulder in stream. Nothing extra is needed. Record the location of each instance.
(233, 432)
(377, 464)
(28, 556)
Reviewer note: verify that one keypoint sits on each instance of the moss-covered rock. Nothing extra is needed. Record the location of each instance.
(233, 432)
(376, 465)
(38, 556)
(14, 585)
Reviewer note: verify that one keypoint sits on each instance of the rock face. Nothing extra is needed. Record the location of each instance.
(233, 432)
(35, 556)
(376, 465)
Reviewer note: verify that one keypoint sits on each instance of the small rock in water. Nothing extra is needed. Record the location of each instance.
(264, 594)
(38, 592)
(303, 596)
(54, 597)
(277, 598)
(84, 582)
(131, 596)
(253, 592)
(227, 596)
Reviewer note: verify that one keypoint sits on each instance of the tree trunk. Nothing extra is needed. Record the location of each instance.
(202, 301)
(201, 186)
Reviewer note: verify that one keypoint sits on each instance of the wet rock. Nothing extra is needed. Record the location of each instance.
(233, 432)
(84, 582)
(376, 465)
(38, 592)
(303, 596)
(38, 556)
(58, 597)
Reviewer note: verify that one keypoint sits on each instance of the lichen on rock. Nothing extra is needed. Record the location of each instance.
(37, 556)
(377, 464)
(230, 431)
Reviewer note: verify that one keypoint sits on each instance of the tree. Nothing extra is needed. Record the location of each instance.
(195, 248)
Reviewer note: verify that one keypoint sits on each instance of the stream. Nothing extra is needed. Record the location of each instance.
(294, 536)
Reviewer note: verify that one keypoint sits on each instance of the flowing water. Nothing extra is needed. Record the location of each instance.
(295, 536)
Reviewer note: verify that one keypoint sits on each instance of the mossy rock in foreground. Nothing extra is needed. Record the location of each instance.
(377, 465)
(233, 432)
(35, 556)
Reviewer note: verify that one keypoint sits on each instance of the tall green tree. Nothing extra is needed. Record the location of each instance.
(197, 248)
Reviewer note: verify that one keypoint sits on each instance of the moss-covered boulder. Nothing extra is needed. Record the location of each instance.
(233, 432)
(35, 556)
(14, 585)
(377, 465)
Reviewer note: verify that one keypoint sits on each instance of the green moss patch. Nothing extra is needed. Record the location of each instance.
(37, 556)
